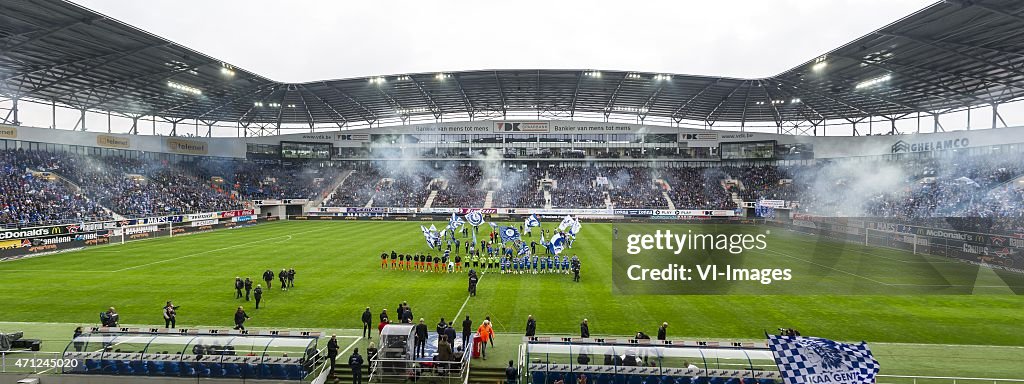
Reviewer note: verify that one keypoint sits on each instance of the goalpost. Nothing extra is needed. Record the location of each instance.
(142, 231)
(889, 239)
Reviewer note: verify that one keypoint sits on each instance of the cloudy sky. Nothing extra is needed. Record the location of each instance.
(298, 41)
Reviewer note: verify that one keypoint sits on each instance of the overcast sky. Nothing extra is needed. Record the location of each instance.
(299, 41)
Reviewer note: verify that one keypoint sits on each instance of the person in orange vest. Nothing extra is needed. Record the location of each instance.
(485, 332)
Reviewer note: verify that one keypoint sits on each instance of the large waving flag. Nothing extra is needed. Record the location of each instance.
(807, 360)
(430, 236)
(532, 221)
(474, 218)
(575, 228)
(557, 244)
(566, 222)
(509, 234)
(455, 223)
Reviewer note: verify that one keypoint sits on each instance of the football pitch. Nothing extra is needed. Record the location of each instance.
(339, 274)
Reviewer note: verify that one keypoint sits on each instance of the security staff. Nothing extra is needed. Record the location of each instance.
(248, 288)
(420, 345)
(531, 326)
(240, 318)
(663, 331)
(258, 295)
(355, 363)
(367, 318)
(467, 329)
(238, 287)
(291, 277)
(585, 329)
(332, 351)
(268, 276)
(283, 278)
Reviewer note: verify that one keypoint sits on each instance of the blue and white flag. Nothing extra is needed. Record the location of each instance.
(557, 244)
(532, 221)
(523, 248)
(474, 218)
(430, 236)
(455, 223)
(509, 234)
(575, 228)
(566, 222)
(810, 360)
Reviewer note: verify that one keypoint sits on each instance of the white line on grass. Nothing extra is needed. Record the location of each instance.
(216, 250)
(467, 301)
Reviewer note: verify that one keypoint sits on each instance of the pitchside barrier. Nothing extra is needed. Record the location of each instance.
(1005, 251)
(31, 242)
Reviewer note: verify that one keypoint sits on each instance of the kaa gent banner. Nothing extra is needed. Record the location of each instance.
(813, 360)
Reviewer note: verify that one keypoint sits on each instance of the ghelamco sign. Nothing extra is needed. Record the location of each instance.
(927, 146)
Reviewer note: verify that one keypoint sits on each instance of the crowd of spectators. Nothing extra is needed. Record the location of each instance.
(697, 188)
(464, 187)
(277, 181)
(634, 187)
(520, 188)
(577, 187)
(28, 199)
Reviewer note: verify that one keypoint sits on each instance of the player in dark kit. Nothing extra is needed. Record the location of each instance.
(458, 263)
(394, 257)
(401, 262)
(416, 262)
(437, 263)
(383, 260)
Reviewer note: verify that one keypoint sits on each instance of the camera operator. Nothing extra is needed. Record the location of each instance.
(170, 314)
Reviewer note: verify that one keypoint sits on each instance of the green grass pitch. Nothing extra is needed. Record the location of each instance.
(338, 275)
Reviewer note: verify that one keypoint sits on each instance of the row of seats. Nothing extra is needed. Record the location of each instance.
(608, 378)
(184, 369)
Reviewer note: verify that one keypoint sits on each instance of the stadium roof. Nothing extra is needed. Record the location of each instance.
(943, 58)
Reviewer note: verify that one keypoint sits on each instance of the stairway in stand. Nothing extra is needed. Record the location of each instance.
(489, 199)
(430, 199)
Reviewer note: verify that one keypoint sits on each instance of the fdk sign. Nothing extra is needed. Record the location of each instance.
(941, 145)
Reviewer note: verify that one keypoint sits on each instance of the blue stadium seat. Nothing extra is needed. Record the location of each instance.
(538, 377)
(635, 379)
(232, 370)
(154, 367)
(123, 368)
(249, 371)
(717, 380)
(172, 368)
(188, 369)
(92, 366)
(604, 378)
(138, 367)
(652, 380)
(277, 371)
(216, 370)
(264, 371)
(685, 380)
(294, 372)
(570, 378)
